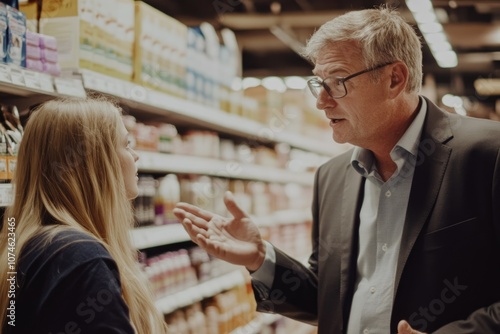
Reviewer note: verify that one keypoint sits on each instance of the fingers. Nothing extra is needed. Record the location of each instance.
(405, 328)
(194, 232)
(207, 215)
(196, 220)
(233, 207)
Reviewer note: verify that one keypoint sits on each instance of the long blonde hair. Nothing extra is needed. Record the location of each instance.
(68, 169)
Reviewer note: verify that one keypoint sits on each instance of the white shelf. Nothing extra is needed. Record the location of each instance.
(24, 82)
(152, 236)
(153, 162)
(256, 325)
(284, 217)
(5, 194)
(199, 292)
(152, 101)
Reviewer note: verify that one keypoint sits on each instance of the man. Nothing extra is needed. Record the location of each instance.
(406, 225)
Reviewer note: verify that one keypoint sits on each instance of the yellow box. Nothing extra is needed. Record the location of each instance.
(4, 175)
(92, 34)
(72, 24)
(11, 166)
(30, 10)
(147, 25)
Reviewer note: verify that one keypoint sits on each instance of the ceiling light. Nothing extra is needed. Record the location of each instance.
(250, 82)
(430, 27)
(438, 47)
(295, 82)
(419, 5)
(425, 17)
(274, 83)
(487, 87)
(452, 101)
(424, 14)
(437, 37)
(446, 59)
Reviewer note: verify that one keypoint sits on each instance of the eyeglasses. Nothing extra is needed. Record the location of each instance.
(335, 86)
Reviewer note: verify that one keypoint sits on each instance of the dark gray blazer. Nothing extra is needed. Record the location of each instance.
(448, 274)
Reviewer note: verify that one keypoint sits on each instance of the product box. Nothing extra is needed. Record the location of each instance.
(147, 47)
(91, 34)
(71, 22)
(114, 37)
(16, 37)
(30, 10)
(3, 31)
(159, 50)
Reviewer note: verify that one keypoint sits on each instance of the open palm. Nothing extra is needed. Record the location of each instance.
(236, 240)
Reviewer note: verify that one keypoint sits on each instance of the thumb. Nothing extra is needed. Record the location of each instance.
(405, 328)
(233, 207)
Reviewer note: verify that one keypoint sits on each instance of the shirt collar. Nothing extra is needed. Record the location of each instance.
(362, 159)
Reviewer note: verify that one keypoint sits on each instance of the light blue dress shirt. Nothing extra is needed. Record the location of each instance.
(382, 217)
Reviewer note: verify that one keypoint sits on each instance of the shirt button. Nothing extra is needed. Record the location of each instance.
(388, 193)
(384, 247)
(366, 331)
(372, 289)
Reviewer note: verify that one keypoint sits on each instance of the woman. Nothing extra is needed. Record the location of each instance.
(76, 268)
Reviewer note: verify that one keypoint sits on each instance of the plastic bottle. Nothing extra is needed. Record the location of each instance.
(169, 193)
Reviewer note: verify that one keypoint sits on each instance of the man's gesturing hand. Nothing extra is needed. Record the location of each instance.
(405, 328)
(236, 240)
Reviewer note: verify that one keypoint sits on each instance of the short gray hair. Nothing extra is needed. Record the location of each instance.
(382, 35)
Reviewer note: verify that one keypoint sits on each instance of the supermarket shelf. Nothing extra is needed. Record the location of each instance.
(157, 103)
(201, 291)
(284, 217)
(256, 325)
(152, 162)
(26, 83)
(152, 236)
(5, 194)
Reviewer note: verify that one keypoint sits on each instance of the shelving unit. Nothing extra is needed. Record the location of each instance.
(201, 291)
(152, 162)
(152, 236)
(24, 88)
(5, 194)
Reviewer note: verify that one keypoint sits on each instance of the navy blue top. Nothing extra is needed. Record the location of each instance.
(69, 286)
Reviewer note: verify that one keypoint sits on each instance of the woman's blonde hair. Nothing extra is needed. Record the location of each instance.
(382, 36)
(68, 172)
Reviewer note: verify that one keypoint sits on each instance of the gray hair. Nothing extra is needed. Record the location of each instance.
(382, 36)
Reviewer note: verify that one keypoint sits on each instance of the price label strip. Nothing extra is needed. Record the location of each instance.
(32, 79)
(70, 86)
(5, 73)
(5, 195)
(17, 76)
(46, 83)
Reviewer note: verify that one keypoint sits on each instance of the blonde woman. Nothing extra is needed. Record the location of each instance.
(68, 265)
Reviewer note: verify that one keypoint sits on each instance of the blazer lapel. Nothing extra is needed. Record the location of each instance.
(349, 224)
(430, 168)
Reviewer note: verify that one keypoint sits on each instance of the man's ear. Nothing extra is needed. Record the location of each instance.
(399, 78)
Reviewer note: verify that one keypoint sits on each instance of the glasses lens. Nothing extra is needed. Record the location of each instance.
(314, 86)
(336, 86)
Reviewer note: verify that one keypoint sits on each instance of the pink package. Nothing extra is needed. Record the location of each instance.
(33, 52)
(32, 38)
(35, 65)
(48, 55)
(52, 69)
(48, 42)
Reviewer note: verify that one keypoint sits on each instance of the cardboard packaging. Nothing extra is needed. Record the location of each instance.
(91, 34)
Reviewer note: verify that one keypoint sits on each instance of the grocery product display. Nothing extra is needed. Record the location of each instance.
(198, 129)
(196, 138)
